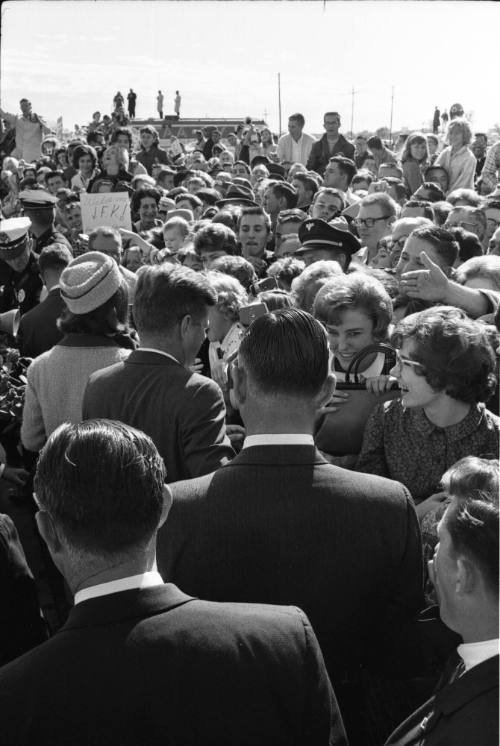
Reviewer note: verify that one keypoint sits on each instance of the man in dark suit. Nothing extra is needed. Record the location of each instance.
(38, 330)
(140, 662)
(464, 708)
(154, 390)
(281, 525)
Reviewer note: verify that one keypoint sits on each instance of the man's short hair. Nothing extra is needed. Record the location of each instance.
(469, 245)
(106, 232)
(375, 143)
(346, 166)
(299, 118)
(53, 174)
(286, 353)
(441, 211)
(55, 256)
(282, 190)
(291, 216)
(393, 167)
(385, 202)
(362, 176)
(310, 184)
(474, 215)
(469, 196)
(246, 211)
(165, 294)
(436, 194)
(215, 237)
(421, 204)
(101, 482)
(441, 240)
(331, 114)
(473, 526)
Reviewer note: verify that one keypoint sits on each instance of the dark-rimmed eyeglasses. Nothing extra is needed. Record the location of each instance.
(369, 222)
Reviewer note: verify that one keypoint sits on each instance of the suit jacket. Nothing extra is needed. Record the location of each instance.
(278, 524)
(21, 626)
(461, 713)
(38, 331)
(155, 666)
(321, 154)
(181, 411)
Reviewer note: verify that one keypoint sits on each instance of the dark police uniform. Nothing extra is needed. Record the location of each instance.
(18, 289)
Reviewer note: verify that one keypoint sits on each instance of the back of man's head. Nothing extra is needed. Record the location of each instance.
(282, 190)
(441, 240)
(345, 165)
(375, 143)
(473, 527)
(101, 484)
(54, 258)
(165, 294)
(286, 353)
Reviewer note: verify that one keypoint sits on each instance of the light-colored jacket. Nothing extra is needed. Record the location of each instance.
(29, 136)
(461, 167)
(285, 148)
(491, 169)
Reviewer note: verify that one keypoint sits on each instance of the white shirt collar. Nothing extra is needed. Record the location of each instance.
(474, 653)
(144, 580)
(159, 352)
(278, 439)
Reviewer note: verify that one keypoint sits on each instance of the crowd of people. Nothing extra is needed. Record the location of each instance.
(258, 432)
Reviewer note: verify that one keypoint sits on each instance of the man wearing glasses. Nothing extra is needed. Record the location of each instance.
(376, 216)
(469, 218)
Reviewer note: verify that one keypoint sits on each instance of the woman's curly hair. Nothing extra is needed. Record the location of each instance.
(455, 352)
(231, 295)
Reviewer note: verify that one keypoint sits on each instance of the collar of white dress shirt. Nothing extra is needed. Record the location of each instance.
(474, 653)
(159, 352)
(144, 580)
(278, 439)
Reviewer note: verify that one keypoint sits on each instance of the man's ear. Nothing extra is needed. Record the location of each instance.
(185, 325)
(240, 383)
(167, 504)
(326, 392)
(466, 576)
(48, 532)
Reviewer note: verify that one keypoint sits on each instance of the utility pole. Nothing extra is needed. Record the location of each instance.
(264, 115)
(352, 110)
(392, 111)
(279, 100)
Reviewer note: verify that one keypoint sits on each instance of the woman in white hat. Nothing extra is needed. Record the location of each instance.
(96, 335)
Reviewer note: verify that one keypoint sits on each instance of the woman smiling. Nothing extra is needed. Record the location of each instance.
(445, 369)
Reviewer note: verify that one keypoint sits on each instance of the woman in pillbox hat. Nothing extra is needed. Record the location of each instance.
(89, 281)
(96, 334)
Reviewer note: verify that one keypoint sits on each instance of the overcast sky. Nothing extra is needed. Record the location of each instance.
(71, 57)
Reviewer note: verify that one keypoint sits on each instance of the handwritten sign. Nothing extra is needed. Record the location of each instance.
(109, 208)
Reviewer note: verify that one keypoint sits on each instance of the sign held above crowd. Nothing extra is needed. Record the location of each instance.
(109, 208)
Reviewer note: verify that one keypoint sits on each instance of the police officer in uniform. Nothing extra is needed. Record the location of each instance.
(322, 240)
(39, 206)
(20, 281)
